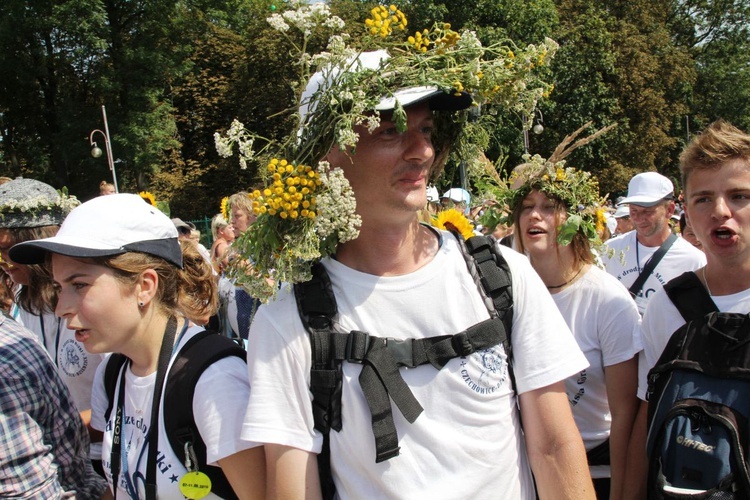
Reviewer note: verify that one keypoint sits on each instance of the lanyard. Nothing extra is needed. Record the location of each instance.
(650, 265)
(56, 355)
(165, 352)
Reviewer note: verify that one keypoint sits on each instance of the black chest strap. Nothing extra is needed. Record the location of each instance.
(382, 357)
(380, 378)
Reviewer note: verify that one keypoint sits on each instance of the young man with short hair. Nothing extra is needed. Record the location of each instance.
(715, 169)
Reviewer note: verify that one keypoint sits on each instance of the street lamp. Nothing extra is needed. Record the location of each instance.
(96, 151)
(538, 128)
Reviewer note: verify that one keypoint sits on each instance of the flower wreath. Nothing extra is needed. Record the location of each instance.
(306, 208)
(576, 189)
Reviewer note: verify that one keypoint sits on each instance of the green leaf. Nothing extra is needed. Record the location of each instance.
(399, 118)
(568, 229)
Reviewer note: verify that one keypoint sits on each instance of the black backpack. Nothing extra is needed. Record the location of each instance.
(198, 353)
(382, 357)
(699, 401)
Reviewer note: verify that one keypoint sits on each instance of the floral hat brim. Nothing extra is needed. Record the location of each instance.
(27, 203)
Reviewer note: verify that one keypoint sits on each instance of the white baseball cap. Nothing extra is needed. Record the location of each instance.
(647, 189)
(622, 211)
(457, 195)
(375, 60)
(611, 222)
(432, 194)
(107, 226)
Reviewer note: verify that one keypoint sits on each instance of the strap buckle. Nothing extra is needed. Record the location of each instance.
(401, 350)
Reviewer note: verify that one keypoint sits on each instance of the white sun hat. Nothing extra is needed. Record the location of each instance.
(107, 226)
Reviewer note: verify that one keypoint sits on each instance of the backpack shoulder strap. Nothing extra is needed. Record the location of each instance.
(689, 296)
(493, 272)
(115, 362)
(198, 353)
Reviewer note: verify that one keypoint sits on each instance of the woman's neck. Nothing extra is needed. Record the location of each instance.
(145, 345)
(558, 269)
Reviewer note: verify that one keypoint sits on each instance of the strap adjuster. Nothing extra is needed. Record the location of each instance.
(357, 344)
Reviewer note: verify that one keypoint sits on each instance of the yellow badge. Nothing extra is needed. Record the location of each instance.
(195, 485)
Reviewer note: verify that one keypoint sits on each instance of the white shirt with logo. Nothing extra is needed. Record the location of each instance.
(218, 408)
(606, 324)
(625, 258)
(467, 443)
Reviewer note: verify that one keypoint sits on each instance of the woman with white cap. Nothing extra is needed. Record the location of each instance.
(126, 285)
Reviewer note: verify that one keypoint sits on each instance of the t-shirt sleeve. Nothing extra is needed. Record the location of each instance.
(279, 410)
(619, 333)
(544, 349)
(219, 404)
(660, 321)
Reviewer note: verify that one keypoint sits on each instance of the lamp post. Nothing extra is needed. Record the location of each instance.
(538, 128)
(96, 151)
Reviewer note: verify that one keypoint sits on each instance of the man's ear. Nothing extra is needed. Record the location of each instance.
(671, 206)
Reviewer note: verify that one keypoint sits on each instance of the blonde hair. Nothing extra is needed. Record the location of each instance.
(719, 143)
(104, 186)
(218, 222)
(191, 291)
(242, 201)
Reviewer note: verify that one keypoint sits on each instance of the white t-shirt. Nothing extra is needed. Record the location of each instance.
(662, 319)
(605, 323)
(218, 408)
(626, 258)
(467, 443)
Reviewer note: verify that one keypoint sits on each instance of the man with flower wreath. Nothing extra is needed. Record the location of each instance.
(399, 279)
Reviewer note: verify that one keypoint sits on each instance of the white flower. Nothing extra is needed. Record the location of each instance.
(334, 22)
(347, 137)
(372, 122)
(277, 22)
(336, 206)
(223, 146)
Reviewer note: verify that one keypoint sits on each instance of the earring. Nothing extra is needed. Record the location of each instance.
(141, 304)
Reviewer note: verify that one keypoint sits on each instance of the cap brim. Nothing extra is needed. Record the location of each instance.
(643, 201)
(438, 100)
(35, 252)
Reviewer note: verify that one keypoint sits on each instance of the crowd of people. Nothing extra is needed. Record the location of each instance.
(430, 386)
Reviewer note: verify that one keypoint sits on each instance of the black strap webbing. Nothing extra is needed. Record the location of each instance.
(635, 288)
(380, 377)
(689, 296)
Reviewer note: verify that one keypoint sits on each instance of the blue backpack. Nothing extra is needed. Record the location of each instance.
(699, 402)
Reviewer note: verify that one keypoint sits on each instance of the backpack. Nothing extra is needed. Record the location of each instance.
(198, 353)
(699, 401)
(382, 357)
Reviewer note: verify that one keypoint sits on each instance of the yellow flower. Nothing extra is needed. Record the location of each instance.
(148, 198)
(384, 18)
(601, 220)
(559, 174)
(225, 208)
(454, 219)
